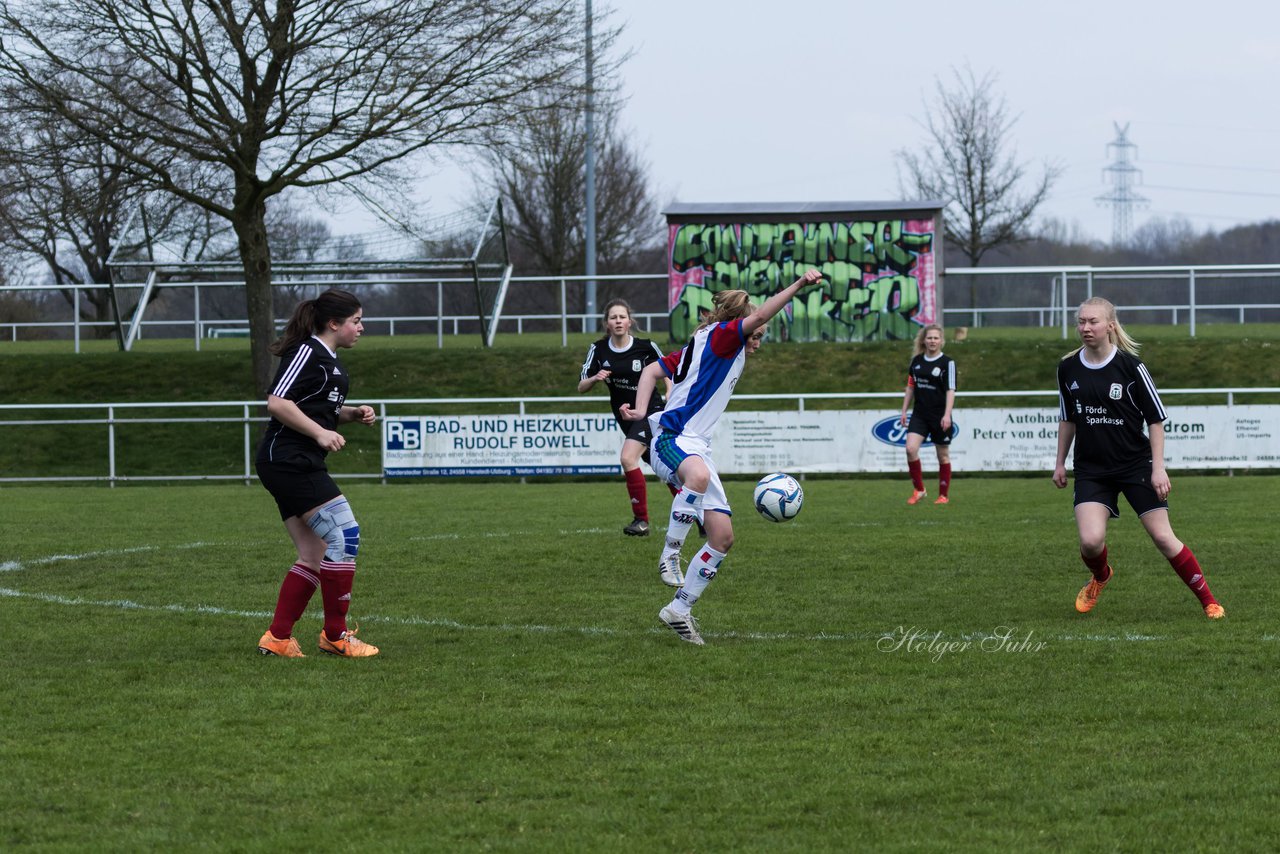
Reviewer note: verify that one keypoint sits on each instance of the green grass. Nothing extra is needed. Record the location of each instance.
(527, 698)
(411, 367)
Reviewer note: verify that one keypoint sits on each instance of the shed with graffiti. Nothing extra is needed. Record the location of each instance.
(881, 261)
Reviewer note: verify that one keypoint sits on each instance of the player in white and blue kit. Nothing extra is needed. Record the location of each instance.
(704, 373)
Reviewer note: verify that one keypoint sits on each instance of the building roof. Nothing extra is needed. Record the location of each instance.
(801, 210)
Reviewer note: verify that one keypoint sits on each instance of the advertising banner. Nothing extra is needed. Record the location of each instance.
(1209, 437)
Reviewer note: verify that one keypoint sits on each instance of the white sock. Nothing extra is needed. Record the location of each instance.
(686, 509)
(702, 569)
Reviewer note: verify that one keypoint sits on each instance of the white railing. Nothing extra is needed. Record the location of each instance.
(1003, 292)
(1071, 285)
(244, 413)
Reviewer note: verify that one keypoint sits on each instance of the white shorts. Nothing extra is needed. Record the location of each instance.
(666, 453)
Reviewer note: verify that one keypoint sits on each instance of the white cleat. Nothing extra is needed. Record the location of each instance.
(682, 624)
(669, 569)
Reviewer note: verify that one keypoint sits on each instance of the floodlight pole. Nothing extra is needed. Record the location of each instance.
(590, 295)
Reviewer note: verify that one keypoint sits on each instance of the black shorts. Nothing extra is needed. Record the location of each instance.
(297, 490)
(930, 428)
(637, 431)
(1135, 484)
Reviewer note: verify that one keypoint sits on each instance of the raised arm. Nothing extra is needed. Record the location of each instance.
(774, 304)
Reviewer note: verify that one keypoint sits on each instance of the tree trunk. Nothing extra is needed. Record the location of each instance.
(255, 254)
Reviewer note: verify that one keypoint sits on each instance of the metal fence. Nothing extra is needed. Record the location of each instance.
(112, 416)
(979, 297)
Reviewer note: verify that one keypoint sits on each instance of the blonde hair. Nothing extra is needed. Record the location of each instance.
(1116, 335)
(727, 305)
(918, 346)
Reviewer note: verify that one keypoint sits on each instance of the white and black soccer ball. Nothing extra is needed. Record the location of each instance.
(778, 497)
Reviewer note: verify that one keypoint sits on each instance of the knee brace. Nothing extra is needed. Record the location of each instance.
(336, 525)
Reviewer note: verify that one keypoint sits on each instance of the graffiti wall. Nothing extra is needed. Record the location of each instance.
(880, 284)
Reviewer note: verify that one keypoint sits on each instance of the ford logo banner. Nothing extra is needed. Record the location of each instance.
(892, 432)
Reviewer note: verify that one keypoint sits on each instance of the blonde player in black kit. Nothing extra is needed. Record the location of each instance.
(931, 381)
(306, 403)
(1106, 397)
(617, 360)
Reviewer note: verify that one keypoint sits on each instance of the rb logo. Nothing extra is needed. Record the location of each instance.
(404, 435)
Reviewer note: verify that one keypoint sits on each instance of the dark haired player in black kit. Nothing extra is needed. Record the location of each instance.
(931, 382)
(1106, 398)
(306, 404)
(617, 360)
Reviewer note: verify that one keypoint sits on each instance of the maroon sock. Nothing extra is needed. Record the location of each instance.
(1098, 565)
(944, 478)
(1188, 568)
(917, 476)
(335, 588)
(639, 494)
(295, 592)
(673, 490)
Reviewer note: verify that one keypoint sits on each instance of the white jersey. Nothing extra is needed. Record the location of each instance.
(704, 373)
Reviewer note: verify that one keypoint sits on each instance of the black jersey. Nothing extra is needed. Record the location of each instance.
(931, 379)
(1110, 404)
(313, 378)
(625, 367)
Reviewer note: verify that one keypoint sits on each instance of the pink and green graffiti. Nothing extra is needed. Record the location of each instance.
(880, 280)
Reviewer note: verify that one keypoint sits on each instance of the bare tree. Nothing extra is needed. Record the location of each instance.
(542, 183)
(968, 163)
(293, 93)
(67, 200)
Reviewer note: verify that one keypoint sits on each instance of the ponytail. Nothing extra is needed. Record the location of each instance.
(727, 305)
(1116, 334)
(313, 315)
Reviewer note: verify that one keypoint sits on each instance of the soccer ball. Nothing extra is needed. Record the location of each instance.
(778, 497)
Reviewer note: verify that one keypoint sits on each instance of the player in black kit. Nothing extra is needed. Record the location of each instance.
(617, 361)
(306, 403)
(1106, 398)
(931, 381)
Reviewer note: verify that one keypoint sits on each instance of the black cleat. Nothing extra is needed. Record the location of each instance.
(637, 528)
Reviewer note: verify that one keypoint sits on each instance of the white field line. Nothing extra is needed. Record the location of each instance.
(509, 628)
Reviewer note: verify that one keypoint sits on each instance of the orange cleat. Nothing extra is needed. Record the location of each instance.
(1088, 595)
(269, 644)
(916, 495)
(348, 646)
(1214, 611)
(942, 499)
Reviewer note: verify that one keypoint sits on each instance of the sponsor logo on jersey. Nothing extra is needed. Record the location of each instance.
(334, 395)
(1116, 391)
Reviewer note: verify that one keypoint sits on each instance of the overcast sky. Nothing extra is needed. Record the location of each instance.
(809, 100)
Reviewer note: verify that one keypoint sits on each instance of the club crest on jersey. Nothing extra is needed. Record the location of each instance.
(937, 372)
(1116, 391)
(636, 367)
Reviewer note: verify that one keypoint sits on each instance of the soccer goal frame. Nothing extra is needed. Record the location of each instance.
(488, 267)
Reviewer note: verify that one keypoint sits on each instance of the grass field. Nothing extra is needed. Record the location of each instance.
(528, 699)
